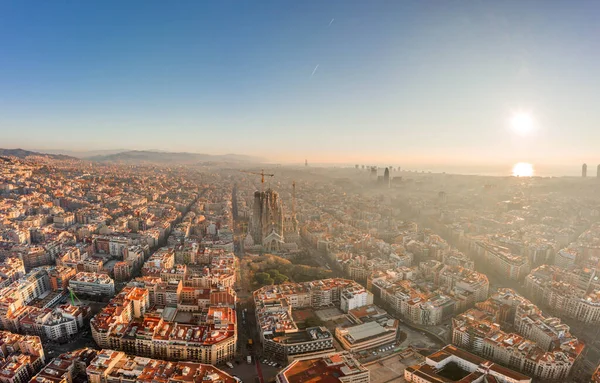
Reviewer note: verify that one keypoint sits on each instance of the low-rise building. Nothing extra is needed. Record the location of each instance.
(371, 327)
(334, 368)
(469, 368)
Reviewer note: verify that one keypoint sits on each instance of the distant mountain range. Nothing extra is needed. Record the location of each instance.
(156, 157)
(167, 158)
(81, 153)
(22, 153)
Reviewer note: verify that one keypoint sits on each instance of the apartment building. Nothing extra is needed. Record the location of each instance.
(573, 293)
(503, 261)
(543, 347)
(66, 367)
(208, 336)
(280, 335)
(22, 357)
(112, 366)
(92, 284)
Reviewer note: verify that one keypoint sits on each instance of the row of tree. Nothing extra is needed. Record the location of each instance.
(272, 270)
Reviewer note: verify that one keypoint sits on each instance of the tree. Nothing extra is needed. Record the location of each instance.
(273, 273)
(263, 279)
(280, 278)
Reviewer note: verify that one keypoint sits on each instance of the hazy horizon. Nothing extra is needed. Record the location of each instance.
(413, 165)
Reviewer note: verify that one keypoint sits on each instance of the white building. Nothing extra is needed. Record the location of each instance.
(92, 284)
(353, 298)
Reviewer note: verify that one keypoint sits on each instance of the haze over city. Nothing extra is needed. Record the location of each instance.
(420, 84)
(299, 192)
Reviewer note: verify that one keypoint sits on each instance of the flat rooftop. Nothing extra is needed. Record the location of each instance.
(365, 330)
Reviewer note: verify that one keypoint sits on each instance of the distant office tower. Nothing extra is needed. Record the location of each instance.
(305, 162)
(356, 166)
(442, 197)
(598, 172)
(386, 177)
(584, 170)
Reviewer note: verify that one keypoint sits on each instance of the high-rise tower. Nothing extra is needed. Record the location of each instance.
(584, 170)
(386, 177)
(598, 171)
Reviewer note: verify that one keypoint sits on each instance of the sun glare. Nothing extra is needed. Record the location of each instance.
(522, 123)
(523, 169)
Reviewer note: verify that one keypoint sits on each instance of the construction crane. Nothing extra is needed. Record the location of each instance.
(262, 175)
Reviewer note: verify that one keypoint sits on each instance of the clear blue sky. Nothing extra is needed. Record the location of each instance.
(397, 81)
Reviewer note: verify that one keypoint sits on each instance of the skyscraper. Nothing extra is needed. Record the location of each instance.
(584, 170)
(598, 172)
(386, 177)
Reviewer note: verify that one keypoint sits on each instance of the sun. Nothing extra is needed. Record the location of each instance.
(522, 123)
(522, 169)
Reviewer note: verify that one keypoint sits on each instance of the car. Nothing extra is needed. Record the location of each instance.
(229, 364)
(264, 361)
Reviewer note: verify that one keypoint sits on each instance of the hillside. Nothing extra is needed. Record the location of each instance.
(168, 158)
(23, 154)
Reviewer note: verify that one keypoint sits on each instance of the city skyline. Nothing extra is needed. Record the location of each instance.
(340, 82)
(329, 191)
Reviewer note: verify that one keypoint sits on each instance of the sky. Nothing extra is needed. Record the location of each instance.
(398, 82)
